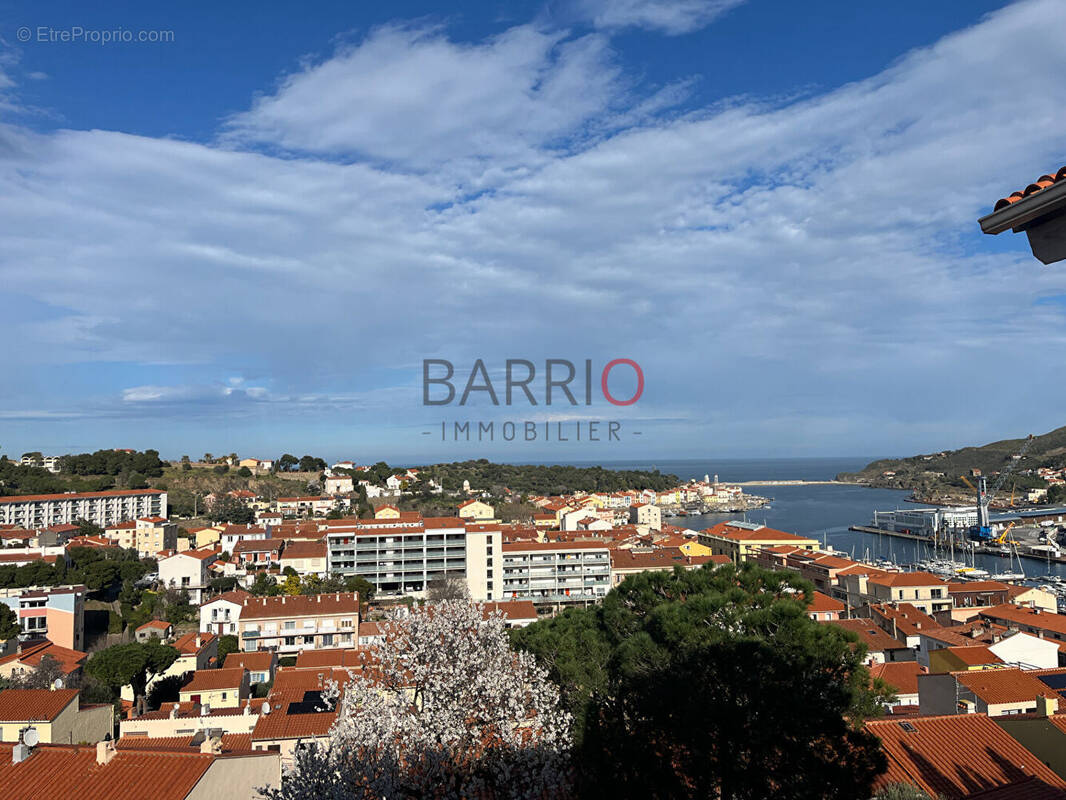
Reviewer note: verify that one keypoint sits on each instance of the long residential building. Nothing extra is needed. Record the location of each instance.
(100, 508)
(404, 556)
(300, 622)
(556, 572)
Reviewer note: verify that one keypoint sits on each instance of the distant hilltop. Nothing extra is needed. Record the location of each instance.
(1036, 477)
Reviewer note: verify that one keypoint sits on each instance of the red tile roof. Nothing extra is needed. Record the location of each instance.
(32, 654)
(304, 548)
(897, 579)
(974, 655)
(728, 530)
(259, 661)
(995, 686)
(23, 705)
(23, 498)
(1038, 185)
(155, 624)
(955, 756)
(307, 680)
(823, 603)
(186, 645)
(315, 659)
(231, 742)
(1018, 615)
(237, 596)
(875, 639)
(528, 547)
(210, 680)
(301, 605)
(902, 676)
(62, 772)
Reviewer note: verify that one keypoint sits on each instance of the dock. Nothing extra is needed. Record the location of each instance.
(979, 548)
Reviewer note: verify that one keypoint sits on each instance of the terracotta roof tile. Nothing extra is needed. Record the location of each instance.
(955, 756)
(22, 705)
(301, 605)
(62, 772)
(209, 680)
(902, 676)
(22, 498)
(1039, 184)
(259, 661)
(996, 686)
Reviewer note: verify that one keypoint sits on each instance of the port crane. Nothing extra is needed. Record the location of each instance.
(982, 531)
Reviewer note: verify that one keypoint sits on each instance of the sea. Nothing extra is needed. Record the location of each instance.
(825, 511)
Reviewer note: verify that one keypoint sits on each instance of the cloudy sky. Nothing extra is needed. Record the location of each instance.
(250, 236)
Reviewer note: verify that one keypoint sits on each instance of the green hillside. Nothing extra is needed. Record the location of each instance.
(937, 475)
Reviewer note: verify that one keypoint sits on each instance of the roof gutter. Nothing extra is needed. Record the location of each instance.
(1018, 215)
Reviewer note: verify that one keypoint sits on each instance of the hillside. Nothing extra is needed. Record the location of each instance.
(936, 476)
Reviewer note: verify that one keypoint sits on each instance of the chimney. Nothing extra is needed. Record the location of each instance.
(211, 745)
(19, 753)
(174, 712)
(1046, 705)
(105, 751)
(198, 645)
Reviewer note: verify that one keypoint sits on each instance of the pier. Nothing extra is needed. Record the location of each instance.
(983, 550)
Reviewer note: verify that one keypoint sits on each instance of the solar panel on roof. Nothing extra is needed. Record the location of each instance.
(1056, 682)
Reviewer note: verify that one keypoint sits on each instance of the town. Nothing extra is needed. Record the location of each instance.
(146, 636)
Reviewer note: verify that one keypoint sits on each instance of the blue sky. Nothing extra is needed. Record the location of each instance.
(248, 237)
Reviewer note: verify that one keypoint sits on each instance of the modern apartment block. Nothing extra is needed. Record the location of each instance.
(146, 535)
(100, 508)
(556, 572)
(55, 613)
(290, 624)
(403, 556)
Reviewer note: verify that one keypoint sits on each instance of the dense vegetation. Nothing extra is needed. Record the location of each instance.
(99, 569)
(538, 479)
(932, 473)
(86, 472)
(711, 683)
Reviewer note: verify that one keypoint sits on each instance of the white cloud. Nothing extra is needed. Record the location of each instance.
(772, 266)
(411, 96)
(672, 17)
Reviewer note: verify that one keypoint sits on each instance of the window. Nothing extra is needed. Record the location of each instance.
(290, 641)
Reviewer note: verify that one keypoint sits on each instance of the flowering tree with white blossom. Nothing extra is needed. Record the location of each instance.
(443, 709)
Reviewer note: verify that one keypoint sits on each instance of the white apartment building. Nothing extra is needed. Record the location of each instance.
(291, 624)
(188, 571)
(556, 572)
(403, 556)
(221, 614)
(100, 508)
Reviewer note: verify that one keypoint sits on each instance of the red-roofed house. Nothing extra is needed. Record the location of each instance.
(61, 772)
(824, 608)
(956, 756)
(741, 540)
(189, 571)
(154, 628)
(57, 715)
(994, 692)
(216, 688)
